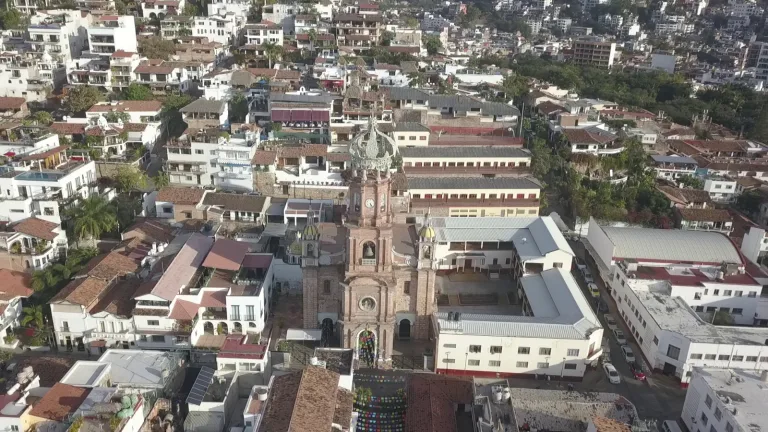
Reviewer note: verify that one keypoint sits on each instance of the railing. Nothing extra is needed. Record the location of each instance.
(367, 261)
(475, 202)
(466, 170)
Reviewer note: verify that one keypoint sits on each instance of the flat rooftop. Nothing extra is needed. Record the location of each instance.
(336, 359)
(742, 392)
(137, 368)
(86, 373)
(691, 276)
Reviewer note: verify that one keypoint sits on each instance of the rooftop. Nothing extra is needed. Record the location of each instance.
(435, 151)
(180, 195)
(136, 368)
(184, 266)
(432, 402)
(61, 401)
(481, 183)
(743, 394)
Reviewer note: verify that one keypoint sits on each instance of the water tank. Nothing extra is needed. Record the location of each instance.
(497, 396)
(506, 394)
(261, 394)
(313, 361)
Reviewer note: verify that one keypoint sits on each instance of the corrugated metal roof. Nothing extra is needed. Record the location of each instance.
(473, 183)
(464, 152)
(672, 245)
(674, 159)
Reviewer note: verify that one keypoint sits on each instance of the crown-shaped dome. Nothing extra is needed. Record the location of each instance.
(371, 149)
(310, 232)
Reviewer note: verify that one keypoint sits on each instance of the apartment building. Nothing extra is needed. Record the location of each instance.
(32, 244)
(121, 69)
(286, 168)
(460, 161)
(281, 14)
(474, 196)
(222, 84)
(110, 33)
(673, 167)
(32, 79)
(264, 32)
(591, 140)
(17, 285)
(60, 33)
(162, 76)
(459, 107)
(224, 7)
(356, 31)
(671, 287)
(223, 29)
(199, 50)
(202, 113)
(178, 204)
(594, 52)
(151, 9)
(137, 111)
(720, 189)
(754, 245)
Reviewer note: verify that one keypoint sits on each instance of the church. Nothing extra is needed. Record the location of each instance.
(369, 280)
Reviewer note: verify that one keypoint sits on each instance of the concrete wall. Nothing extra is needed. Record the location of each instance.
(600, 242)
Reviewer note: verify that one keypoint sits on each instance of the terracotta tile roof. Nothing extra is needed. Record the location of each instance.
(588, 136)
(217, 298)
(153, 69)
(127, 106)
(603, 424)
(180, 195)
(122, 54)
(14, 284)
(705, 215)
(237, 202)
(60, 401)
(324, 36)
(339, 157)
(264, 157)
(302, 402)
(9, 103)
(184, 310)
(109, 266)
(152, 230)
(431, 401)
(83, 291)
(226, 254)
(37, 228)
(62, 128)
(45, 154)
(548, 107)
(237, 346)
(343, 413)
(719, 145)
(118, 300)
(303, 150)
(404, 49)
(686, 195)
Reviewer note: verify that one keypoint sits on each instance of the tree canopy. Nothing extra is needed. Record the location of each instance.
(136, 91)
(432, 44)
(156, 47)
(79, 99)
(12, 19)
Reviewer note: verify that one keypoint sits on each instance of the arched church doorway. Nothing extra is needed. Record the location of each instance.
(366, 346)
(404, 329)
(326, 335)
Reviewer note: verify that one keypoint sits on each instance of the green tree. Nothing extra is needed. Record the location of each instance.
(65, 270)
(691, 182)
(156, 47)
(432, 44)
(78, 257)
(411, 22)
(387, 37)
(115, 116)
(130, 178)
(43, 118)
(137, 91)
(12, 19)
(161, 180)
(93, 217)
(190, 9)
(749, 202)
(80, 99)
(238, 108)
(721, 318)
(272, 51)
(416, 79)
(515, 86)
(34, 316)
(121, 7)
(43, 280)
(312, 34)
(126, 209)
(170, 114)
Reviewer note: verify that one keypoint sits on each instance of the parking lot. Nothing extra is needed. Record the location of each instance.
(658, 397)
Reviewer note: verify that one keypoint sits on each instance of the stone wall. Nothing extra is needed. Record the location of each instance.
(264, 182)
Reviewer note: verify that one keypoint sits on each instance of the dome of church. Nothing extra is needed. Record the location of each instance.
(427, 232)
(310, 232)
(372, 149)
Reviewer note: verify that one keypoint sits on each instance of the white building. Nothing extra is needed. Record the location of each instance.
(61, 33)
(108, 34)
(742, 8)
(669, 285)
(498, 341)
(726, 400)
(151, 9)
(222, 7)
(754, 244)
(16, 286)
(264, 32)
(281, 14)
(674, 167)
(224, 29)
(720, 189)
(32, 79)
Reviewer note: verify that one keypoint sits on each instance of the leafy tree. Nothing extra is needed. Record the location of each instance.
(126, 208)
(65, 270)
(93, 217)
(78, 257)
(115, 116)
(161, 180)
(541, 159)
(130, 178)
(722, 318)
(12, 19)
(156, 47)
(190, 9)
(34, 316)
(387, 37)
(312, 34)
(43, 280)
(411, 22)
(43, 118)
(170, 114)
(432, 44)
(691, 182)
(137, 91)
(272, 52)
(749, 202)
(515, 86)
(416, 79)
(80, 99)
(238, 108)
(121, 7)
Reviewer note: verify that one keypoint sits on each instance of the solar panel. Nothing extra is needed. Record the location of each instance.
(200, 387)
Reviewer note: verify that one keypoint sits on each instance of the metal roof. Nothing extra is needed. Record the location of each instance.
(457, 102)
(205, 106)
(674, 159)
(410, 127)
(473, 183)
(464, 152)
(672, 245)
(304, 98)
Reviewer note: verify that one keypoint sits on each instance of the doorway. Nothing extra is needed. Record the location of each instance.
(669, 369)
(404, 329)
(468, 264)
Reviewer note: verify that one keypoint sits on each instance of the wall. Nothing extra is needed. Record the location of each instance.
(753, 243)
(600, 242)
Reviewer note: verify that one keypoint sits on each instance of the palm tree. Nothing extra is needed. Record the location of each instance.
(43, 279)
(312, 33)
(272, 51)
(34, 315)
(93, 217)
(161, 180)
(78, 257)
(65, 271)
(416, 79)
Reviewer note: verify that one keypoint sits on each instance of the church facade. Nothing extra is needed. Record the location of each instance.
(381, 286)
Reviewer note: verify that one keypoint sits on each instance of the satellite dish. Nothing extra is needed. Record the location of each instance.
(102, 122)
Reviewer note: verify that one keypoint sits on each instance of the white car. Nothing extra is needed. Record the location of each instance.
(588, 277)
(629, 355)
(610, 321)
(620, 338)
(611, 373)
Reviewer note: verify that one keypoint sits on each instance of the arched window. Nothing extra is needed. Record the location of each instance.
(369, 250)
(326, 287)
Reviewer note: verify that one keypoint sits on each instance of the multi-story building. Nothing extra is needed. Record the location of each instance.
(223, 7)
(720, 189)
(758, 57)
(110, 33)
(223, 29)
(32, 79)
(281, 14)
(673, 167)
(61, 34)
(203, 113)
(264, 32)
(359, 32)
(754, 245)
(121, 67)
(674, 288)
(594, 52)
(151, 9)
(17, 285)
(460, 161)
(590, 140)
(162, 76)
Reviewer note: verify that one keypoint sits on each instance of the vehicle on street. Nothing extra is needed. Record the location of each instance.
(610, 321)
(611, 373)
(593, 290)
(629, 355)
(620, 338)
(636, 371)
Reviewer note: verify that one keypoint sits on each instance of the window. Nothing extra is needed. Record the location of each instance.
(573, 353)
(557, 265)
(570, 366)
(407, 287)
(545, 351)
(153, 322)
(542, 365)
(696, 356)
(508, 261)
(704, 419)
(235, 312)
(520, 350)
(737, 311)
(494, 363)
(655, 340)
(699, 308)
(326, 287)
(473, 362)
(727, 293)
(712, 309)
(249, 315)
(709, 356)
(673, 352)
(763, 359)
(48, 211)
(738, 293)
(103, 326)
(213, 152)
(737, 358)
(723, 357)
(199, 152)
(449, 345)
(449, 360)
(728, 427)
(752, 359)
(752, 294)
(14, 428)
(475, 348)
(495, 350)
(716, 292)
(158, 338)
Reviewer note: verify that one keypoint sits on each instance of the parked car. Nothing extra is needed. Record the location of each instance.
(611, 373)
(636, 371)
(629, 355)
(620, 338)
(588, 278)
(593, 290)
(610, 321)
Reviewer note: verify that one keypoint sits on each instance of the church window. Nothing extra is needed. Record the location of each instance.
(326, 287)
(407, 287)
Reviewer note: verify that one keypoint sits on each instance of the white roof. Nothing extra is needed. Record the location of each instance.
(137, 368)
(745, 395)
(571, 317)
(85, 373)
(672, 245)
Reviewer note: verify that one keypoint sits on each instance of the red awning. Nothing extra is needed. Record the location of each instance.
(10, 154)
(99, 343)
(281, 115)
(321, 116)
(301, 115)
(76, 158)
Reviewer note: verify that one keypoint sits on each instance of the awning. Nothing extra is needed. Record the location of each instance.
(281, 115)
(301, 115)
(10, 154)
(321, 116)
(303, 334)
(99, 343)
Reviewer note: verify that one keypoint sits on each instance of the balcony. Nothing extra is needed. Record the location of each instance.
(215, 314)
(368, 261)
(194, 169)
